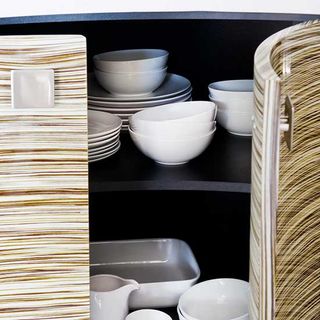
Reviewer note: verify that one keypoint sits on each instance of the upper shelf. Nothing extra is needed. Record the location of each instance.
(17, 11)
(167, 15)
(224, 166)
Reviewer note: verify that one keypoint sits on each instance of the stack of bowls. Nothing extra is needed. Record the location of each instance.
(218, 299)
(234, 99)
(127, 81)
(176, 133)
(104, 132)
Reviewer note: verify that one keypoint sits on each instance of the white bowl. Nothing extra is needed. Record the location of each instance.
(180, 112)
(131, 83)
(235, 95)
(218, 299)
(134, 60)
(238, 123)
(174, 130)
(171, 151)
(148, 314)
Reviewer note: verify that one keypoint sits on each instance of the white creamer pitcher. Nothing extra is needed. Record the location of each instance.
(109, 297)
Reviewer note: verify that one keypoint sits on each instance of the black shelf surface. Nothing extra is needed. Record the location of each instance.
(181, 15)
(224, 166)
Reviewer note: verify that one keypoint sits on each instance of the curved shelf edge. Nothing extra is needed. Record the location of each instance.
(205, 15)
(149, 185)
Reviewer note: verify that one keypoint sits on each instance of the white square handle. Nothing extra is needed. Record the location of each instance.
(32, 88)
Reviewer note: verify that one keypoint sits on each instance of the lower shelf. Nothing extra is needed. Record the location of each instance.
(224, 166)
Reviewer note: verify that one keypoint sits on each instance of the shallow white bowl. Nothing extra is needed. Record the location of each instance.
(148, 314)
(189, 111)
(134, 60)
(238, 123)
(235, 95)
(218, 299)
(171, 151)
(173, 130)
(131, 83)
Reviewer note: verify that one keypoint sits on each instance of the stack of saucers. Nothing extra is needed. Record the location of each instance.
(104, 132)
(127, 81)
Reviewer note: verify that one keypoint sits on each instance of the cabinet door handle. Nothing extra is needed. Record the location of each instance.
(287, 122)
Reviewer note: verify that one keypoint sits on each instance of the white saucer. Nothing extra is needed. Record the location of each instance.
(106, 137)
(103, 142)
(105, 147)
(102, 123)
(104, 156)
(99, 152)
(172, 85)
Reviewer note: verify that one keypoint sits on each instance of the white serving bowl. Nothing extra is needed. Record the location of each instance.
(174, 130)
(134, 60)
(148, 314)
(131, 83)
(180, 112)
(171, 151)
(218, 299)
(235, 95)
(238, 123)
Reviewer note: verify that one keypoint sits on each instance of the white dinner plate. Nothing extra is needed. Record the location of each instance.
(137, 104)
(102, 123)
(172, 85)
(115, 110)
(104, 156)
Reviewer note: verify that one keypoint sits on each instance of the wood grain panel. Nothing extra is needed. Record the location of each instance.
(44, 259)
(297, 253)
(285, 255)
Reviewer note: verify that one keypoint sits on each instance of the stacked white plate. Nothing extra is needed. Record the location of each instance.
(174, 88)
(104, 133)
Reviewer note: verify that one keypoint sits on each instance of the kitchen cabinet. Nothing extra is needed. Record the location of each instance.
(209, 197)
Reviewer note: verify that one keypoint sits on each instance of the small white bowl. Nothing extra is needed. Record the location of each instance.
(218, 299)
(148, 314)
(171, 151)
(235, 95)
(238, 123)
(134, 60)
(131, 83)
(180, 112)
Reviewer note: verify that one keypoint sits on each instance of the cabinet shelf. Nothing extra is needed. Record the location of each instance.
(224, 166)
(166, 15)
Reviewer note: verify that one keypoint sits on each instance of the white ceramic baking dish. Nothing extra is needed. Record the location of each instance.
(164, 268)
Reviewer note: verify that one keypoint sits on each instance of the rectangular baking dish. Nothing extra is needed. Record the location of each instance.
(164, 268)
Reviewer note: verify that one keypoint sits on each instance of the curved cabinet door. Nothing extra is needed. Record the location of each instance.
(44, 261)
(285, 203)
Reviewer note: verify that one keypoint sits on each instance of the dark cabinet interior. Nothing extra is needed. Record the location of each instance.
(207, 201)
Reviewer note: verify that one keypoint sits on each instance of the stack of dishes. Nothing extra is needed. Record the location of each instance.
(104, 133)
(127, 81)
(235, 105)
(223, 299)
(176, 133)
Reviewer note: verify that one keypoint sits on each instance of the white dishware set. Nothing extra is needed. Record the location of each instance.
(176, 133)
(217, 299)
(235, 102)
(103, 135)
(165, 272)
(127, 81)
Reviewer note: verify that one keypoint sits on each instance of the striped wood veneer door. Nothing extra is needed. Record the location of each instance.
(284, 249)
(297, 253)
(44, 272)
